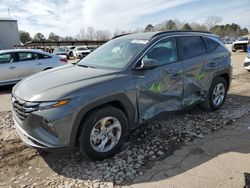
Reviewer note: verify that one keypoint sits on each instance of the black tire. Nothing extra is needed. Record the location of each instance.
(88, 124)
(209, 104)
(233, 50)
(71, 54)
(248, 70)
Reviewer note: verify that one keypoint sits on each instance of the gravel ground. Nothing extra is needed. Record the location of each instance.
(25, 167)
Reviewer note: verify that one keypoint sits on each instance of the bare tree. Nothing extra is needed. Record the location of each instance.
(178, 23)
(198, 27)
(103, 35)
(211, 21)
(91, 32)
(82, 34)
(118, 32)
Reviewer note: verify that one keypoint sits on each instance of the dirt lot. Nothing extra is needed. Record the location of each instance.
(153, 142)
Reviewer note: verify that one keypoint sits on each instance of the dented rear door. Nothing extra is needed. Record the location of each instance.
(198, 69)
(160, 89)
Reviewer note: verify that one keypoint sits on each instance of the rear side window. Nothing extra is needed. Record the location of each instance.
(192, 46)
(211, 44)
(5, 58)
(42, 56)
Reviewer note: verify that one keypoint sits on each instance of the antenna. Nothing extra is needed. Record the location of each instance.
(9, 13)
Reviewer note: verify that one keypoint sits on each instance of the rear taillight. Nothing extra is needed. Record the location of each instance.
(64, 60)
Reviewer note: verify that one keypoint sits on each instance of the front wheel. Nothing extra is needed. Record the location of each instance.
(217, 94)
(103, 132)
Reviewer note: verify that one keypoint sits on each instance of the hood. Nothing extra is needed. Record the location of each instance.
(80, 51)
(58, 82)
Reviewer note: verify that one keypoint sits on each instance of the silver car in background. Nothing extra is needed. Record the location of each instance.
(18, 64)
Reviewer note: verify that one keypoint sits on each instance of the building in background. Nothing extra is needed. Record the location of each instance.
(9, 34)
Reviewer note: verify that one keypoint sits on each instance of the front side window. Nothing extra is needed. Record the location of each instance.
(6, 58)
(164, 52)
(192, 46)
(25, 56)
(114, 54)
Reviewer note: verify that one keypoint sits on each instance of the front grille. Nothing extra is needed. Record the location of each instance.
(85, 54)
(23, 108)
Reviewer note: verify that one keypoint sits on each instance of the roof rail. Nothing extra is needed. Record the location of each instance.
(181, 31)
(117, 36)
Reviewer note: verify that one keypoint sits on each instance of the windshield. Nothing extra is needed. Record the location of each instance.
(114, 54)
(82, 48)
(243, 38)
(59, 50)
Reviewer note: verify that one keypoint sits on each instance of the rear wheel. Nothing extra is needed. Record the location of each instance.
(217, 94)
(103, 132)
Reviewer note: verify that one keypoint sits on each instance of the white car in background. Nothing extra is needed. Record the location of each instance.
(18, 64)
(247, 63)
(81, 51)
(240, 44)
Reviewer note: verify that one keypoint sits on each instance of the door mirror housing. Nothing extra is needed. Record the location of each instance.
(147, 64)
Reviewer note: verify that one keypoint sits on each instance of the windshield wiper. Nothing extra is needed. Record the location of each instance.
(86, 66)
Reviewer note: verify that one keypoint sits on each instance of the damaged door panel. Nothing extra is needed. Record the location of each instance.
(160, 89)
(197, 70)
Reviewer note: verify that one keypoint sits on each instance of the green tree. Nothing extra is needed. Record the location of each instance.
(24, 36)
(245, 31)
(53, 37)
(186, 27)
(39, 37)
(229, 30)
(149, 28)
(170, 25)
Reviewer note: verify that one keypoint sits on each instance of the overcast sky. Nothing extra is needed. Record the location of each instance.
(67, 17)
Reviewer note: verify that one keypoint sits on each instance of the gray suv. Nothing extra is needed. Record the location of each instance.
(94, 104)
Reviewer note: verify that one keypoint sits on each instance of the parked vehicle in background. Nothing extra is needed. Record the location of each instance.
(61, 52)
(91, 48)
(18, 64)
(94, 104)
(240, 44)
(247, 59)
(70, 51)
(81, 52)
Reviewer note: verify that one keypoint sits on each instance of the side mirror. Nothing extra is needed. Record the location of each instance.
(147, 64)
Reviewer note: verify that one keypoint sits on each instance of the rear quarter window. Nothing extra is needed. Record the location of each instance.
(211, 44)
(191, 46)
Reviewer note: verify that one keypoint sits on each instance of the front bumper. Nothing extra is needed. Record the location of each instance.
(247, 63)
(46, 129)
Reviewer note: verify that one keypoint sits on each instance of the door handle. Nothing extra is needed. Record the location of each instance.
(39, 63)
(12, 67)
(212, 64)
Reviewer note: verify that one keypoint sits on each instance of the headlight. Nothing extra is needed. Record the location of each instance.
(53, 104)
